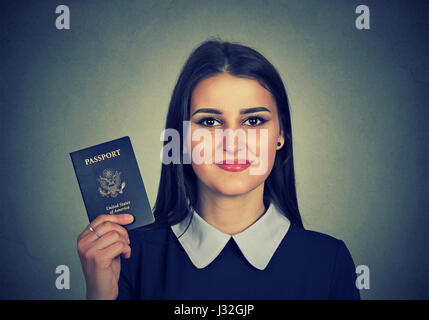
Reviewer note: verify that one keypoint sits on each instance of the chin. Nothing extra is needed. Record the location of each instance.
(228, 184)
(235, 188)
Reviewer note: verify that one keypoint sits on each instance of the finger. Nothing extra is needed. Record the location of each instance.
(114, 250)
(117, 218)
(104, 257)
(108, 226)
(103, 229)
(106, 240)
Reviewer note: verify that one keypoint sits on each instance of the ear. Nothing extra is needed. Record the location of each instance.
(280, 140)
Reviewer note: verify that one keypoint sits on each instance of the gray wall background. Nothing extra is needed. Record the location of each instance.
(359, 115)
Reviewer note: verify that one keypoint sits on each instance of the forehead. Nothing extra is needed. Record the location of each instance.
(228, 92)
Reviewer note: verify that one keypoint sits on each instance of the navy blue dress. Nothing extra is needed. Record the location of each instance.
(306, 265)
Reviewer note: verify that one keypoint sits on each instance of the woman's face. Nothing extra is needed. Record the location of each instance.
(247, 109)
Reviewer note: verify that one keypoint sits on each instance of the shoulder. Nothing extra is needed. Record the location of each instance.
(318, 247)
(314, 241)
(326, 257)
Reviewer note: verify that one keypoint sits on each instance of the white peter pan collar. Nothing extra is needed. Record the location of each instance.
(203, 242)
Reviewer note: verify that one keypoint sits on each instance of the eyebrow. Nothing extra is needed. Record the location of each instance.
(242, 111)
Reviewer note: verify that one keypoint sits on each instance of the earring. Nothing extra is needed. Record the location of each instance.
(279, 144)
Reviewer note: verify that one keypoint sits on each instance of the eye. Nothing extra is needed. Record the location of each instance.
(255, 121)
(208, 122)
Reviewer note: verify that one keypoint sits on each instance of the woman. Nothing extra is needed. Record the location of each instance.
(222, 231)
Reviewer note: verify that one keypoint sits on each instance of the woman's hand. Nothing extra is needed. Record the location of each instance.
(100, 256)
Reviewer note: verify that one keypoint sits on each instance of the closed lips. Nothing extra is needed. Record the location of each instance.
(234, 162)
(234, 167)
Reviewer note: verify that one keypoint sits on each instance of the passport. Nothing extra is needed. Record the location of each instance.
(110, 181)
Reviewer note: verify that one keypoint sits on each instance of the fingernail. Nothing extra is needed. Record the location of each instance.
(130, 217)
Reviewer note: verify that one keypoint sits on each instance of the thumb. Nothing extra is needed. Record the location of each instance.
(124, 218)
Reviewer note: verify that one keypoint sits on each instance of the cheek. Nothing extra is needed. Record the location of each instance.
(264, 145)
(272, 148)
(201, 149)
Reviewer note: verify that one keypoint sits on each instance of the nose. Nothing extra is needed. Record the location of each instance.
(234, 140)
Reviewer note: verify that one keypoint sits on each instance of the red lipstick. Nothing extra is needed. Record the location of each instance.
(236, 166)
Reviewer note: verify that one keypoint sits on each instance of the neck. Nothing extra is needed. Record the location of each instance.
(230, 214)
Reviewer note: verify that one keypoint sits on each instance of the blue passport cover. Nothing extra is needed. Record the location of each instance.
(110, 181)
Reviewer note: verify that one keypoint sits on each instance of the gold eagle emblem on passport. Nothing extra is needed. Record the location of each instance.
(110, 183)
